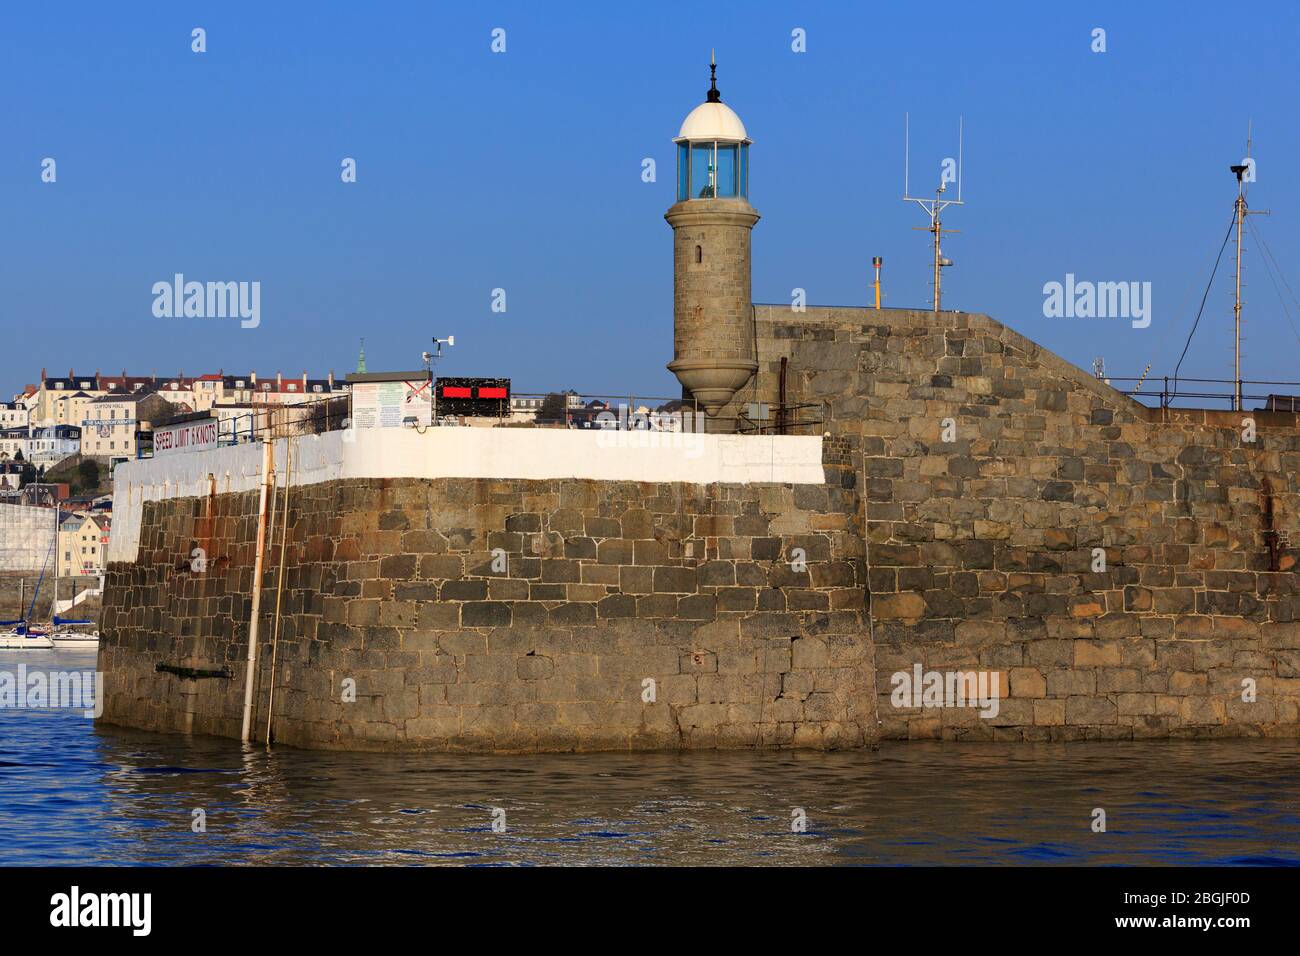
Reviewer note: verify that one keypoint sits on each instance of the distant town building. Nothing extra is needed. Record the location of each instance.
(114, 427)
(27, 399)
(15, 443)
(70, 409)
(524, 408)
(50, 445)
(207, 390)
(83, 543)
(14, 415)
(66, 400)
(52, 392)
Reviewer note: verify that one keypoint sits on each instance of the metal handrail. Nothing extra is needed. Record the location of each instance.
(284, 419)
(575, 413)
(333, 413)
(1167, 395)
(743, 423)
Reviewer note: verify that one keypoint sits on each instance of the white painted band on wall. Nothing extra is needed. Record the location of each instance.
(522, 453)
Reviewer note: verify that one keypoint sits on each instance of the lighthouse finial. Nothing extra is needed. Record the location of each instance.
(714, 96)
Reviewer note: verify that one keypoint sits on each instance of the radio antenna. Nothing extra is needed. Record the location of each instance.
(1245, 172)
(934, 207)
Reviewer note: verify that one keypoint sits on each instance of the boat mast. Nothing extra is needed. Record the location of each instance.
(54, 604)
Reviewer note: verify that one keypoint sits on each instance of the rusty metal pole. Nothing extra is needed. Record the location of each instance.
(279, 588)
(268, 465)
(780, 407)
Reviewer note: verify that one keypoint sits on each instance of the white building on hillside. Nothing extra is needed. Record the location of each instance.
(53, 443)
(83, 543)
(13, 415)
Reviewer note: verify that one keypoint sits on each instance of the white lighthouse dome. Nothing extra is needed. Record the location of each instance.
(713, 121)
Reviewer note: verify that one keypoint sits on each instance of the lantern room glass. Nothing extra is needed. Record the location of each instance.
(709, 170)
(701, 170)
(726, 167)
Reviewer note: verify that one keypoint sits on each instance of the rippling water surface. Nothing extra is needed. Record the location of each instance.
(74, 793)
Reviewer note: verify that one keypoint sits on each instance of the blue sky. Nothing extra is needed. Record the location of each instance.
(522, 171)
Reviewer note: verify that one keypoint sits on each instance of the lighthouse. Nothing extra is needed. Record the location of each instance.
(713, 334)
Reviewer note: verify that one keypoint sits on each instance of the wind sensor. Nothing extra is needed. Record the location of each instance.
(431, 357)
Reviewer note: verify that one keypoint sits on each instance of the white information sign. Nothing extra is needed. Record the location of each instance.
(389, 404)
(189, 436)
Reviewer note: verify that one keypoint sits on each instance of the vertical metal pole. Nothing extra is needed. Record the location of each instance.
(936, 228)
(54, 602)
(780, 402)
(279, 587)
(267, 466)
(1236, 306)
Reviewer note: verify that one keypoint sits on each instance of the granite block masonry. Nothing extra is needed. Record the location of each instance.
(1128, 571)
(973, 504)
(482, 614)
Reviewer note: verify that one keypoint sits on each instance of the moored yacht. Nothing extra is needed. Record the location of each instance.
(18, 635)
(65, 633)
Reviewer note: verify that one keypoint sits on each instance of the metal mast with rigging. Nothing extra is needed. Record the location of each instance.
(1245, 173)
(934, 207)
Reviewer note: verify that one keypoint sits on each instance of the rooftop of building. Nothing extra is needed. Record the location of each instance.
(181, 382)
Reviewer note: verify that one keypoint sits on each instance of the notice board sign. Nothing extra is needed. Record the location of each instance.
(391, 404)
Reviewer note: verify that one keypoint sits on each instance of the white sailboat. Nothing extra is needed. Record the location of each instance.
(71, 638)
(19, 634)
(17, 637)
(63, 631)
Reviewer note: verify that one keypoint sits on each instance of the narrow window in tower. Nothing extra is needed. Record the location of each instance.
(699, 254)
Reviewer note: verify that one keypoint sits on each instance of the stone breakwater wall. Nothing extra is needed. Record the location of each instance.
(477, 614)
(996, 475)
(972, 504)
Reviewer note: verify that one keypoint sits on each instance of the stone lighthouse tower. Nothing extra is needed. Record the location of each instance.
(713, 335)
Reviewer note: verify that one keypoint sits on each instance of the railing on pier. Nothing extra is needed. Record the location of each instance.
(1168, 390)
(584, 410)
(285, 420)
(528, 409)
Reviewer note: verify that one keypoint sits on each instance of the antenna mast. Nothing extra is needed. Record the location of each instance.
(1241, 211)
(934, 207)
